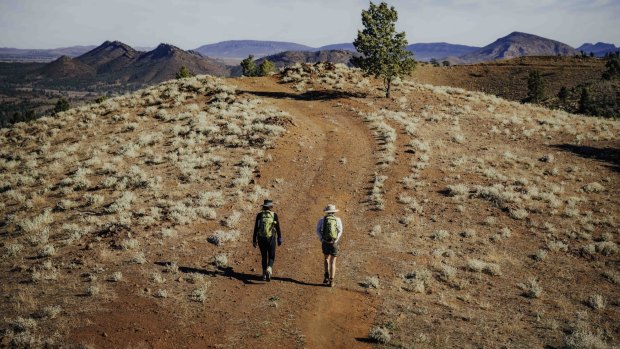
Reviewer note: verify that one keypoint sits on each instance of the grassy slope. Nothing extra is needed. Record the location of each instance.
(465, 190)
(508, 79)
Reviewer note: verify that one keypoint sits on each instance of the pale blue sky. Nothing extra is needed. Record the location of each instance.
(192, 23)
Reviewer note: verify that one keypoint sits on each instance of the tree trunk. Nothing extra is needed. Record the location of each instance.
(388, 86)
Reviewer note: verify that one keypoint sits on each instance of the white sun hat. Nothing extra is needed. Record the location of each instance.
(331, 208)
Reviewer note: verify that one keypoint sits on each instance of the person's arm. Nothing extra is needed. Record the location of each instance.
(319, 229)
(338, 228)
(256, 223)
(277, 223)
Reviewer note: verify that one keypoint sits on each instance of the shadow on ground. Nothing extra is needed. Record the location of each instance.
(319, 95)
(248, 279)
(609, 155)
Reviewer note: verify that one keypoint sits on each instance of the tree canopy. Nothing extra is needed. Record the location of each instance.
(248, 66)
(383, 50)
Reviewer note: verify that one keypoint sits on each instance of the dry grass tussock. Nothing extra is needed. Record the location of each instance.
(111, 178)
(307, 77)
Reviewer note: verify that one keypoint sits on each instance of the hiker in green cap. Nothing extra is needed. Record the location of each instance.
(329, 231)
(265, 230)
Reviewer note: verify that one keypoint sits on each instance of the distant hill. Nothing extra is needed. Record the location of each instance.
(516, 45)
(16, 54)
(109, 57)
(289, 58)
(115, 61)
(508, 79)
(164, 62)
(439, 50)
(599, 49)
(344, 46)
(65, 67)
(243, 48)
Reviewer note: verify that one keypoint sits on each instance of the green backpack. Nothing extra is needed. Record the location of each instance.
(267, 224)
(330, 228)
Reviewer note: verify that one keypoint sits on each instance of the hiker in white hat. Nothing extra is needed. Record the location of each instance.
(329, 231)
(265, 230)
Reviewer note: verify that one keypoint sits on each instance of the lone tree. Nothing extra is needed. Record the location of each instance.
(535, 87)
(383, 50)
(183, 73)
(248, 66)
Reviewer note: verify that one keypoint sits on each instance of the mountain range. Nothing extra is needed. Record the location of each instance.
(16, 54)
(514, 45)
(599, 49)
(240, 49)
(114, 61)
(438, 50)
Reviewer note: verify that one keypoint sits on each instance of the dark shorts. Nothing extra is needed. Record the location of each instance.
(330, 249)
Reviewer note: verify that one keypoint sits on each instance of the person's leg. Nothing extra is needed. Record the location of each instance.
(326, 265)
(272, 251)
(332, 267)
(264, 247)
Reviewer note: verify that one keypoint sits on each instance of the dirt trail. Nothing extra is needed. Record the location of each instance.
(326, 158)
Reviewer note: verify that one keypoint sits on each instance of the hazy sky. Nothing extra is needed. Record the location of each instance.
(192, 23)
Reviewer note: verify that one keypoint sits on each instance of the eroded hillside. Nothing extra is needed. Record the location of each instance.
(470, 221)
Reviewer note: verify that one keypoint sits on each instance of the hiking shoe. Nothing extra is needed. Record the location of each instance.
(331, 283)
(265, 277)
(326, 278)
(268, 273)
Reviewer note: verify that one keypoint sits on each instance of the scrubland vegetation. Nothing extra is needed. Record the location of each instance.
(88, 195)
(484, 222)
(498, 209)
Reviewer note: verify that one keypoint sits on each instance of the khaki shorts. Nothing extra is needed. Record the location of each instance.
(330, 249)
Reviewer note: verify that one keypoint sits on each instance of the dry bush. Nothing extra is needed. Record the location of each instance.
(115, 277)
(596, 302)
(440, 235)
(370, 282)
(593, 187)
(477, 265)
(161, 293)
(199, 295)
(376, 230)
(457, 190)
(220, 237)
(531, 288)
(233, 219)
(380, 334)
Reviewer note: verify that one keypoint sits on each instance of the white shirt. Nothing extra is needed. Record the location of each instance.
(319, 228)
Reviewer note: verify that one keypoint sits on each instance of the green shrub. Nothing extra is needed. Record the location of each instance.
(248, 66)
(266, 68)
(183, 73)
(535, 87)
(61, 105)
